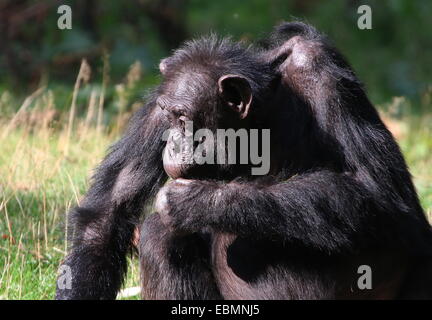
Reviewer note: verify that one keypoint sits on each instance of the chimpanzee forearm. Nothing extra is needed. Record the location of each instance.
(325, 210)
(103, 224)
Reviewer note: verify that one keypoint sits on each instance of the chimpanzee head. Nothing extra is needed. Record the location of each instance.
(210, 84)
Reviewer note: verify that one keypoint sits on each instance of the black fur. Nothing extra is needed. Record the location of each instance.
(338, 195)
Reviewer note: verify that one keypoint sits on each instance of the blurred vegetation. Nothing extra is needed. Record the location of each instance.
(392, 59)
(58, 112)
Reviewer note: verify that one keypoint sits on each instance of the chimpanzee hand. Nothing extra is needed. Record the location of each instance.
(183, 205)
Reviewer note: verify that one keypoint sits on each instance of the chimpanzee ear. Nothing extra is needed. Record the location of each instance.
(236, 92)
(163, 66)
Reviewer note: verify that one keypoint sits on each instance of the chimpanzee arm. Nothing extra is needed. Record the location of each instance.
(324, 210)
(104, 223)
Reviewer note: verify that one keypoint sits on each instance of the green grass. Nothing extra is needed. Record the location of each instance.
(417, 148)
(39, 183)
(46, 158)
(44, 170)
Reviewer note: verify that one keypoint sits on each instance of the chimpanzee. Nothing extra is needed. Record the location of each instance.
(338, 195)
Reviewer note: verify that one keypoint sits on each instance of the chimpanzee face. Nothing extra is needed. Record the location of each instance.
(194, 97)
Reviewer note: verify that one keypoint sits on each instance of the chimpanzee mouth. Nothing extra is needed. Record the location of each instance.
(178, 155)
(206, 153)
(179, 162)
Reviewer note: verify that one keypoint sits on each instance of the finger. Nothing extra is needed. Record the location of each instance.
(161, 202)
(183, 181)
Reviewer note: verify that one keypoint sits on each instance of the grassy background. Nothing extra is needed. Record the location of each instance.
(46, 158)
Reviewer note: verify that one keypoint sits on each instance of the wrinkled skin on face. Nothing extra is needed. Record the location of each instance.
(194, 100)
(178, 153)
(180, 158)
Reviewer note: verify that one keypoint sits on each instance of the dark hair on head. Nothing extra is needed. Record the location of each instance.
(219, 56)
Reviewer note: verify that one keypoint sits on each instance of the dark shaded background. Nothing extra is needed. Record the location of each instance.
(394, 58)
